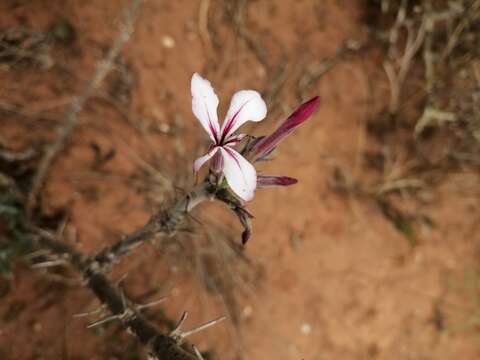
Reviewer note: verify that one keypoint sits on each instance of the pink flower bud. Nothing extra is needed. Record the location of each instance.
(269, 181)
(268, 143)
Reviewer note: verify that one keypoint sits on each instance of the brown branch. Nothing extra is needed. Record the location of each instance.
(160, 346)
(164, 223)
(71, 120)
(415, 39)
(92, 269)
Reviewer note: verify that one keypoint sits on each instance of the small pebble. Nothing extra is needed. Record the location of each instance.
(247, 311)
(306, 329)
(164, 128)
(37, 327)
(168, 42)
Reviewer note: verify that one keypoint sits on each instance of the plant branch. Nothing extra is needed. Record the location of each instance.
(164, 223)
(159, 345)
(92, 270)
(71, 119)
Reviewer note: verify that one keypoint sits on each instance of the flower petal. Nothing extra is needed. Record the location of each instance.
(197, 164)
(216, 165)
(240, 174)
(204, 105)
(270, 181)
(268, 143)
(234, 139)
(246, 105)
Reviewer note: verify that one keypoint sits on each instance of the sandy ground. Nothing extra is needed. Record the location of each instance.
(329, 276)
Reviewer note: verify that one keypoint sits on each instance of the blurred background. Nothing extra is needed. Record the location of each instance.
(374, 254)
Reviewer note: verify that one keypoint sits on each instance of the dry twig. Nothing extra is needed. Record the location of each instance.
(93, 269)
(165, 223)
(71, 119)
(160, 346)
(413, 43)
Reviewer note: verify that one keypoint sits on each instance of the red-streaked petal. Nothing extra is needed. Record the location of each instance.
(234, 140)
(270, 181)
(216, 165)
(240, 174)
(197, 164)
(204, 106)
(297, 118)
(246, 105)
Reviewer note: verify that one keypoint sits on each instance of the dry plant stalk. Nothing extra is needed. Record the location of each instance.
(397, 66)
(71, 119)
(93, 270)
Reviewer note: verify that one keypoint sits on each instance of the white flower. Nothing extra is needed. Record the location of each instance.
(246, 105)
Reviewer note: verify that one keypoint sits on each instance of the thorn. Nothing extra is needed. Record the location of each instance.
(151, 304)
(204, 326)
(122, 278)
(36, 254)
(89, 313)
(177, 334)
(50, 263)
(197, 353)
(63, 225)
(103, 321)
(126, 309)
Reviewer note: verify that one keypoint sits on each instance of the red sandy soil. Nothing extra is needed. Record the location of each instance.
(334, 279)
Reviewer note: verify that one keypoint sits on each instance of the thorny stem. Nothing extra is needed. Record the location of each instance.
(92, 269)
(164, 223)
(160, 346)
